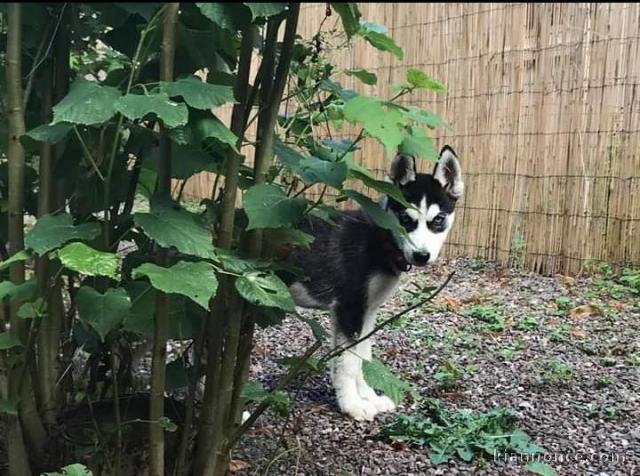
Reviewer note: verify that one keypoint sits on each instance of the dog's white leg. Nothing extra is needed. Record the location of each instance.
(345, 374)
(382, 403)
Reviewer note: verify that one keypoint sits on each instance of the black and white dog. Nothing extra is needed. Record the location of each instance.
(354, 266)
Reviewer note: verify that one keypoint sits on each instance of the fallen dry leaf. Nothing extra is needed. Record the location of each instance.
(452, 303)
(566, 280)
(578, 333)
(238, 465)
(586, 310)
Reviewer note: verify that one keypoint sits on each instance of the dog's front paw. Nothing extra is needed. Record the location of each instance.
(384, 404)
(359, 409)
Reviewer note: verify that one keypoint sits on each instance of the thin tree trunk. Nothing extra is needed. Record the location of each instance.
(51, 324)
(28, 420)
(158, 363)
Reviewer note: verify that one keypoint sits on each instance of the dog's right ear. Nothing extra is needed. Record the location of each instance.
(403, 169)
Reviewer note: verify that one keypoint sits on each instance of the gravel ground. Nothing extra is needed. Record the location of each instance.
(593, 413)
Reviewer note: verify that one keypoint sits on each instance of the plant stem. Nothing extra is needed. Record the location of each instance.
(158, 362)
(29, 420)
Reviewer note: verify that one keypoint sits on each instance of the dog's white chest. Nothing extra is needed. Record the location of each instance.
(380, 288)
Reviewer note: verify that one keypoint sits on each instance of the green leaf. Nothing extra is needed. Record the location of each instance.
(87, 103)
(32, 309)
(230, 16)
(8, 408)
(18, 292)
(419, 79)
(72, 470)
(420, 115)
(316, 328)
(186, 161)
(50, 133)
(314, 170)
(541, 468)
(418, 144)
(310, 365)
(198, 94)
(265, 289)
(178, 228)
(380, 40)
(85, 260)
(386, 188)
(104, 312)
(378, 215)
(211, 127)
(265, 9)
(9, 341)
(137, 106)
(167, 425)
(278, 400)
(382, 124)
(379, 377)
(267, 206)
(52, 231)
(350, 16)
(363, 75)
(197, 280)
(19, 256)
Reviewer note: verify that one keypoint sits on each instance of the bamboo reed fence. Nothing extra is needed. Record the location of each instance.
(543, 104)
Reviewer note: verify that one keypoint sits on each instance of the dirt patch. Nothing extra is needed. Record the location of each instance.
(495, 337)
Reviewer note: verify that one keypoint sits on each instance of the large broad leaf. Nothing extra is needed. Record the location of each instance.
(197, 281)
(278, 400)
(19, 256)
(419, 79)
(265, 289)
(378, 215)
(536, 467)
(380, 40)
(418, 144)
(9, 341)
(186, 160)
(350, 16)
(314, 170)
(267, 206)
(420, 115)
(199, 94)
(72, 470)
(178, 228)
(87, 103)
(265, 9)
(380, 186)
(231, 16)
(337, 89)
(383, 124)
(363, 75)
(311, 168)
(53, 231)
(50, 133)
(379, 377)
(104, 312)
(136, 106)
(18, 292)
(210, 127)
(85, 260)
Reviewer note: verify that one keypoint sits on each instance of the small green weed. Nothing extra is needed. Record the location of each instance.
(460, 432)
(527, 323)
(451, 373)
(556, 371)
(489, 315)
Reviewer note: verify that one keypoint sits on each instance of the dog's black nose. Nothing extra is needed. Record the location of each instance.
(421, 259)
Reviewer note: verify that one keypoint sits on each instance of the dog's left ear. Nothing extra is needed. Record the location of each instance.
(403, 169)
(448, 173)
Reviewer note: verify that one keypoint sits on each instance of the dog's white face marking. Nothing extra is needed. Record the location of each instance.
(423, 239)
